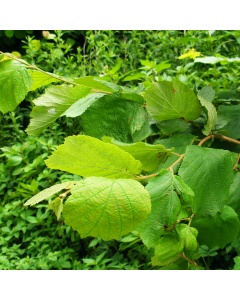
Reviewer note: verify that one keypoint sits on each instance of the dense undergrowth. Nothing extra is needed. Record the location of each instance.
(33, 239)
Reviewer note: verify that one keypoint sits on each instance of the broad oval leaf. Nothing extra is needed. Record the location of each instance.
(172, 100)
(87, 156)
(15, 83)
(106, 208)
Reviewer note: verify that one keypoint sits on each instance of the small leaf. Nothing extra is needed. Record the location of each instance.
(106, 208)
(189, 237)
(87, 156)
(57, 206)
(15, 83)
(171, 100)
(205, 96)
(49, 192)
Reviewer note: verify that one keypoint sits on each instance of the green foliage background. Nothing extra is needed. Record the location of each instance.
(35, 240)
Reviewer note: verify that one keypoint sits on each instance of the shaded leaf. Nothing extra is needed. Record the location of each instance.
(114, 116)
(57, 206)
(206, 96)
(218, 229)
(106, 208)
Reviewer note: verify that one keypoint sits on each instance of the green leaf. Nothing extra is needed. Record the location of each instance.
(218, 229)
(15, 83)
(53, 104)
(172, 100)
(229, 117)
(40, 79)
(189, 237)
(79, 107)
(206, 96)
(165, 208)
(95, 84)
(170, 127)
(149, 155)
(234, 196)
(167, 250)
(209, 173)
(106, 208)
(57, 206)
(184, 192)
(87, 156)
(49, 192)
(114, 116)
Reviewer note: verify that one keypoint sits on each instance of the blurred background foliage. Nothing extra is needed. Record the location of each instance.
(33, 238)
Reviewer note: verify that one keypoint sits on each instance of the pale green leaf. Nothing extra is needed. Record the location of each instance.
(95, 84)
(214, 59)
(149, 155)
(49, 192)
(114, 116)
(209, 173)
(171, 100)
(57, 206)
(106, 208)
(88, 156)
(206, 96)
(52, 104)
(218, 229)
(40, 79)
(79, 107)
(15, 83)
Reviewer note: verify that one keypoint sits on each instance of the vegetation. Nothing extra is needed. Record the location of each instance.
(150, 182)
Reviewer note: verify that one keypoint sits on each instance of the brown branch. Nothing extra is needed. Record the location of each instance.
(218, 136)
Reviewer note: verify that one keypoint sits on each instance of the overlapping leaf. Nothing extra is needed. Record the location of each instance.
(219, 229)
(88, 156)
(114, 116)
(40, 79)
(166, 206)
(209, 173)
(49, 192)
(172, 100)
(15, 83)
(149, 155)
(106, 208)
(206, 96)
(53, 103)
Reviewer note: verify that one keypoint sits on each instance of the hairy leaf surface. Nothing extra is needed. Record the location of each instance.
(15, 83)
(172, 100)
(88, 156)
(106, 208)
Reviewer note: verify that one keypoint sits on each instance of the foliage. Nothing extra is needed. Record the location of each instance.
(186, 199)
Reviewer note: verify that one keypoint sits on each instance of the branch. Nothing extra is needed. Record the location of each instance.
(218, 136)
